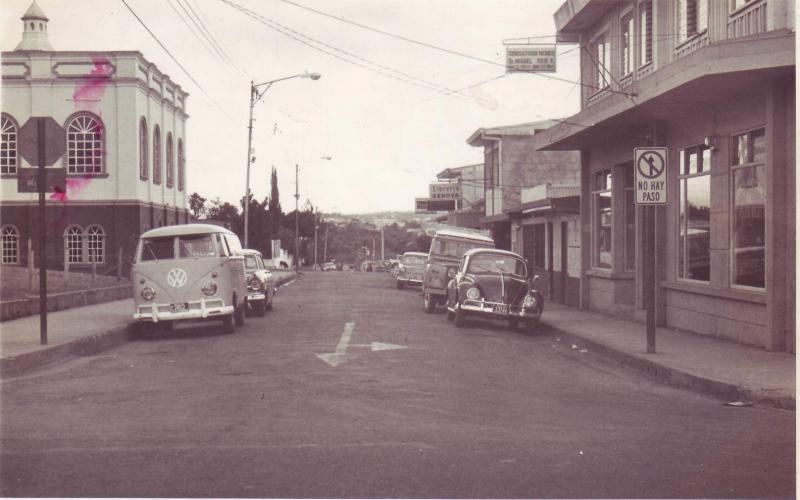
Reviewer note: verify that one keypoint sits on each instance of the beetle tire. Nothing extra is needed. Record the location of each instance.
(260, 308)
(458, 317)
(428, 303)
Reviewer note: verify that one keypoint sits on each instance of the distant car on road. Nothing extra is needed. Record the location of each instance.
(411, 269)
(447, 248)
(493, 283)
(260, 283)
(189, 271)
(329, 266)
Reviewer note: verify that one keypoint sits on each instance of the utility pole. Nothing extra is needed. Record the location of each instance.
(296, 216)
(373, 250)
(253, 97)
(316, 228)
(325, 246)
(382, 256)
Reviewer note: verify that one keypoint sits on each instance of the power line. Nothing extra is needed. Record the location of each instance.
(210, 36)
(203, 42)
(436, 47)
(410, 79)
(163, 47)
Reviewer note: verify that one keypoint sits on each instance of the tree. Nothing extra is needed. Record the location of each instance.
(197, 205)
(225, 213)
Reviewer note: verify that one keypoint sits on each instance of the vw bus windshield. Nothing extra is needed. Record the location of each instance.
(496, 264)
(196, 246)
(455, 248)
(158, 248)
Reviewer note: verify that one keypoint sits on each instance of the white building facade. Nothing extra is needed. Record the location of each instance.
(125, 161)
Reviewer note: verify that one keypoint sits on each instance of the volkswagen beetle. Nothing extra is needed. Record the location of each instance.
(493, 283)
(260, 282)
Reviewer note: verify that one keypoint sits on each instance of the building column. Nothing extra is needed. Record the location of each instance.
(586, 228)
(775, 215)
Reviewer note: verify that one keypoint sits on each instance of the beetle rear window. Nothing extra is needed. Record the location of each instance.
(454, 248)
(414, 259)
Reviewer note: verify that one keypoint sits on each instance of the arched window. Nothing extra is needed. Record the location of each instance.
(9, 239)
(170, 162)
(8, 145)
(156, 155)
(84, 145)
(74, 241)
(181, 166)
(143, 150)
(95, 244)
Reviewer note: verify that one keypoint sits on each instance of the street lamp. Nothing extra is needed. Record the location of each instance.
(255, 96)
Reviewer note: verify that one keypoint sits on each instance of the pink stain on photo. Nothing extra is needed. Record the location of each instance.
(91, 90)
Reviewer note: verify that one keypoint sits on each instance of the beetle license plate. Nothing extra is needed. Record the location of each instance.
(503, 309)
(179, 307)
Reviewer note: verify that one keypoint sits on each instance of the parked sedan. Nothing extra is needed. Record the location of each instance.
(329, 266)
(260, 283)
(411, 269)
(493, 283)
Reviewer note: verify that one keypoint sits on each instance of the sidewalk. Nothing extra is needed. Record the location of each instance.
(69, 334)
(724, 369)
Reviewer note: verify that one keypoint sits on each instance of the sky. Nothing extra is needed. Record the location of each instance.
(373, 131)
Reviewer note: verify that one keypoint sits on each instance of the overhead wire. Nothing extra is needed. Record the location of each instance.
(193, 30)
(367, 64)
(208, 33)
(436, 47)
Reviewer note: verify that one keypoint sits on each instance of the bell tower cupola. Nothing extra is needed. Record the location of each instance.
(34, 32)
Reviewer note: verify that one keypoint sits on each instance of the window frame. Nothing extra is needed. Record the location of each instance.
(72, 145)
(596, 193)
(627, 59)
(69, 238)
(144, 150)
(732, 204)
(170, 171)
(601, 70)
(14, 236)
(683, 20)
(181, 165)
(157, 154)
(6, 144)
(683, 178)
(645, 33)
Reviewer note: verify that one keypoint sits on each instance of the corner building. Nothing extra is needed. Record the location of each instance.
(714, 82)
(125, 126)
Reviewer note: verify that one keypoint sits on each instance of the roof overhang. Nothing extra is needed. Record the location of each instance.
(577, 16)
(547, 206)
(494, 219)
(713, 75)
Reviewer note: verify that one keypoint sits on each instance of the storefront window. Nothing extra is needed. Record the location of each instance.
(749, 204)
(694, 217)
(601, 202)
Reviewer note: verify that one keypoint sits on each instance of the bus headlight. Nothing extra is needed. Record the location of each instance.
(473, 293)
(148, 293)
(209, 288)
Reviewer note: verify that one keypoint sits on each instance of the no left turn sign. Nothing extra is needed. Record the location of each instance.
(650, 165)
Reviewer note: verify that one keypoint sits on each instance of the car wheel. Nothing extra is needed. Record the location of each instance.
(238, 313)
(260, 308)
(458, 316)
(428, 303)
(513, 323)
(400, 285)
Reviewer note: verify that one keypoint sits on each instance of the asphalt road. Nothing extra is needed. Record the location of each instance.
(348, 389)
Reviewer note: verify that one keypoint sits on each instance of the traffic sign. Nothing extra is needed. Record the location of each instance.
(650, 166)
(55, 141)
(28, 180)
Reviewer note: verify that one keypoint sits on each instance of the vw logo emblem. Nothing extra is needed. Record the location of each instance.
(176, 277)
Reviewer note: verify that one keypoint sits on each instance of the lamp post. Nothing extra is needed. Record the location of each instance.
(255, 96)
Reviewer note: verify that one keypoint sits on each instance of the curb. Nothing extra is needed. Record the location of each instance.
(676, 378)
(19, 308)
(19, 365)
(87, 346)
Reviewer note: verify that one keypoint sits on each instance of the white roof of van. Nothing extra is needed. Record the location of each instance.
(466, 234)
(183, 229)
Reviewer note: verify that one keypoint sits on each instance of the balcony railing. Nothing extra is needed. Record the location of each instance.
(750, 20)
(691, 45)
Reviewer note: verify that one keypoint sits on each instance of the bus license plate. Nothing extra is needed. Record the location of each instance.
(501, 309)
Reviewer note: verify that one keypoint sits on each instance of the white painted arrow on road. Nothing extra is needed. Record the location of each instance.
(339, 356)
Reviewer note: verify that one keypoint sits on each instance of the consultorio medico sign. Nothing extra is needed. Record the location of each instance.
(528, 58)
